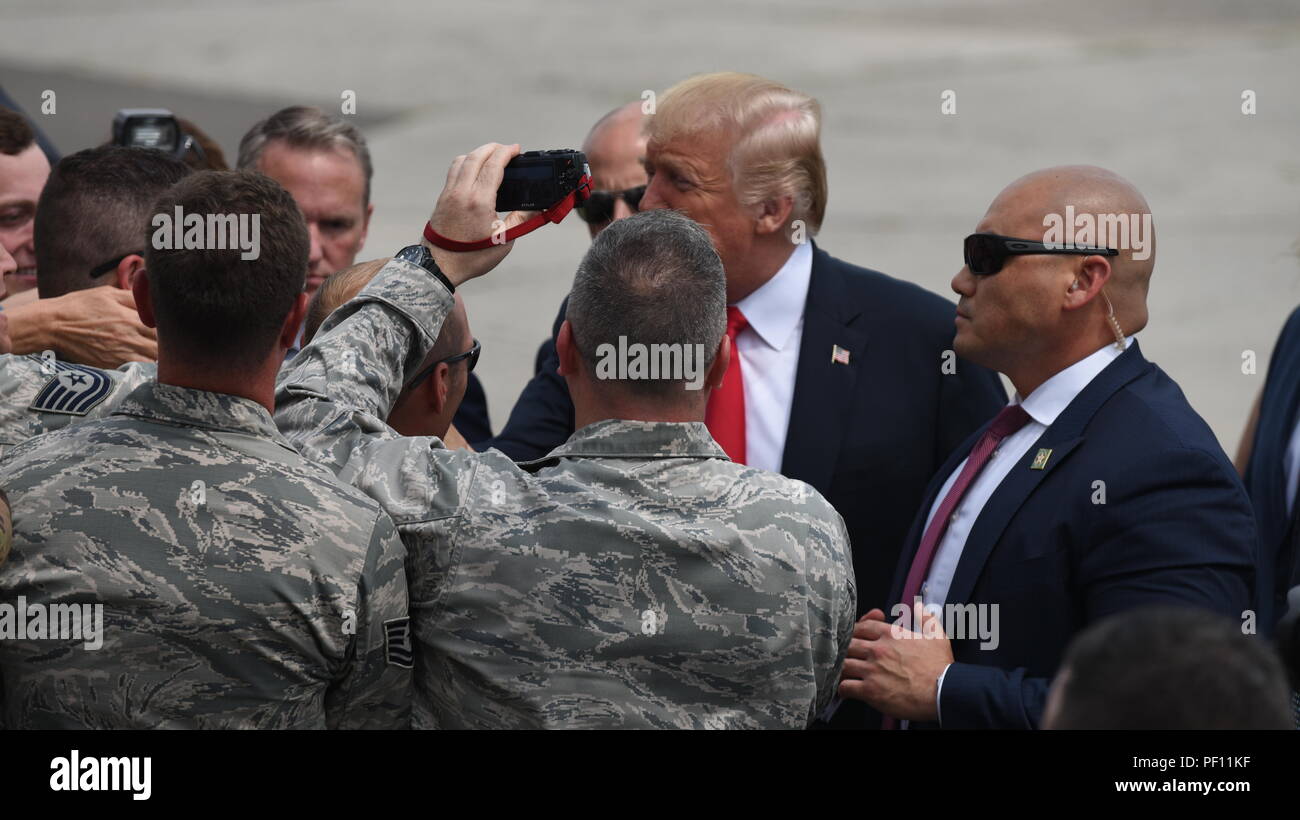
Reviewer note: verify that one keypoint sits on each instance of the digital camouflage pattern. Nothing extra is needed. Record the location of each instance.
(39, 395)
(636, 577)
(6, 527)
(242, 587)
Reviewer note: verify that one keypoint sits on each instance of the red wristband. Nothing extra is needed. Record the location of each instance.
(555, 214)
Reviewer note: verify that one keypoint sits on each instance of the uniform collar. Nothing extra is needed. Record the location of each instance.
(186, 407)
(614, 438)
(774, 310)
(1051, 397)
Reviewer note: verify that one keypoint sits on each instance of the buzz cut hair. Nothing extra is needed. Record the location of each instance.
(213, 308)
(655, 279)
(95, 207)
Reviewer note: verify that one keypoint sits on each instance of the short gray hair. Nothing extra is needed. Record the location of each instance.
(653, 278)
(303, 126)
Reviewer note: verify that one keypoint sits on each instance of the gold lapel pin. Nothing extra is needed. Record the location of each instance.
(1040, 460)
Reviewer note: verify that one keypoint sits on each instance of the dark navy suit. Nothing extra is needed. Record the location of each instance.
(1175, 527)
(867, 435)
(1279, 409)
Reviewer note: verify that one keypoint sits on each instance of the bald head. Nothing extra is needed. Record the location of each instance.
(616, 132)
(615, 149)
(1042, 312)
(1086, 187)
(1120, 217)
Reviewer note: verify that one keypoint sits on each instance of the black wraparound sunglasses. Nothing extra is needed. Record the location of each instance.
(599, 206)
(986, 253)
(471, 355)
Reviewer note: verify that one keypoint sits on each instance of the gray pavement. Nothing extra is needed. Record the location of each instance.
(1149, 89)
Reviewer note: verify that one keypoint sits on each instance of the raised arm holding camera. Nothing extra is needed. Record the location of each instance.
(635, 577)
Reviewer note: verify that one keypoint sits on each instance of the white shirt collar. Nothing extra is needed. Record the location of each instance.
(774, 310)
(1054, 395)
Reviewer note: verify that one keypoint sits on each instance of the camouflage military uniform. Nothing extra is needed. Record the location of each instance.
(6, 527)
(37, 395)
(241, 586)
(634, 578)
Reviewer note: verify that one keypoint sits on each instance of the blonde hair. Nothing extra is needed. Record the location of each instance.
(340, 287)
(777, 148)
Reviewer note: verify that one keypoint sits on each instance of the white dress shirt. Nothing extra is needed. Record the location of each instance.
(1043, 406)
(769, 357)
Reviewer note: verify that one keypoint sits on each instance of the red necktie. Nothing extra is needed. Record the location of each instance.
(1011, 419)
(725, 414)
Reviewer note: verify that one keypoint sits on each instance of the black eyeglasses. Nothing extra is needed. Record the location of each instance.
(471, 355)
(100, 270)
(986, 253)
(599, 206)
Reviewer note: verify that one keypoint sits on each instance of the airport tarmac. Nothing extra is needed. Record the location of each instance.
(1152, 90)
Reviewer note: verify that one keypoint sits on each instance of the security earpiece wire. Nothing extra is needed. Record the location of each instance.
(1114, 323)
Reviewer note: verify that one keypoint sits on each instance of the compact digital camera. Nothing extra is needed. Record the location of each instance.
(536, 180)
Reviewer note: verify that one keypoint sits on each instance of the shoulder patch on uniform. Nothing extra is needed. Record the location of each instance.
(73, 389)
(397, 643)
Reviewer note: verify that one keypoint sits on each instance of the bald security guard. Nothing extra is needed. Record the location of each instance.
(204, 574)
(635, 577)
(1097, 490)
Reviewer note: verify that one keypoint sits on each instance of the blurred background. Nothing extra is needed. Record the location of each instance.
(1151, 89)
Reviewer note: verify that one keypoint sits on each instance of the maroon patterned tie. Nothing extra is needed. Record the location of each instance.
(1011, 419)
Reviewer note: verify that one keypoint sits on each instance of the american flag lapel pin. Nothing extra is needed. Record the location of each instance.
(839, 355)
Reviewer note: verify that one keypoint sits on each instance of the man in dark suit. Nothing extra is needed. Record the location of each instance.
(846, 377)
(1097, 490)
(1269, 460)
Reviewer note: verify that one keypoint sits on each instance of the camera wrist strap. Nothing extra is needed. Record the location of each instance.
(554, 214)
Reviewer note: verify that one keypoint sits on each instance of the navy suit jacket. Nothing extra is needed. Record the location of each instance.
(1174, 526)
(867, 435)
(1265, 480)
